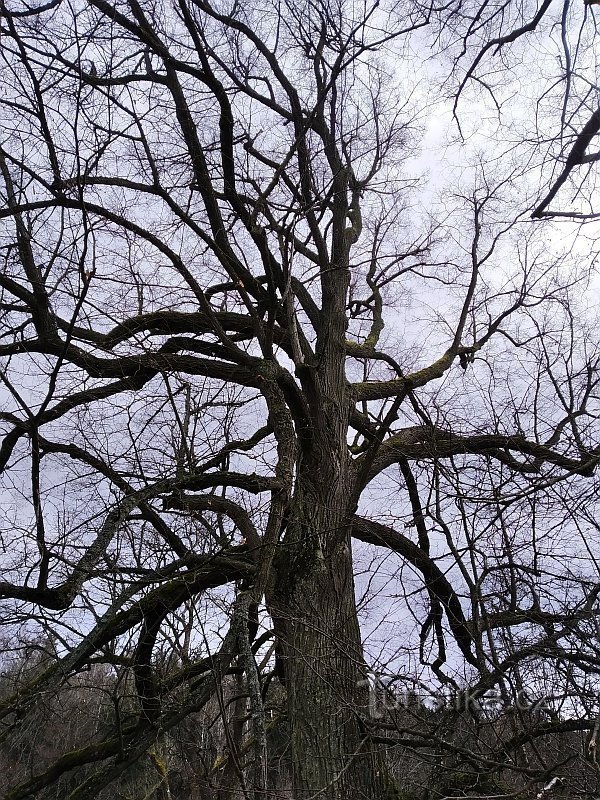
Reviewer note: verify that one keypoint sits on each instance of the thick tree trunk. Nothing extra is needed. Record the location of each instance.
(332, 757)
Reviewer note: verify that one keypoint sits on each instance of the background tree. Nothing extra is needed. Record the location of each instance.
(247, 371)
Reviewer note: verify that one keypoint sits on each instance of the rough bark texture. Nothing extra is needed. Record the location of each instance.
(315, 607)
(324, 668)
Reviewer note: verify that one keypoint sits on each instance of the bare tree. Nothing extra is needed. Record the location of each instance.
(253, 393)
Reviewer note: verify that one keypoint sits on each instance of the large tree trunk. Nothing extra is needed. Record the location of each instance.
(317, 626)
(332, 757)
(324, 674)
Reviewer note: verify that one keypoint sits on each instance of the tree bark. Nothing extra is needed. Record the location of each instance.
(324, 674)
(317, 625)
